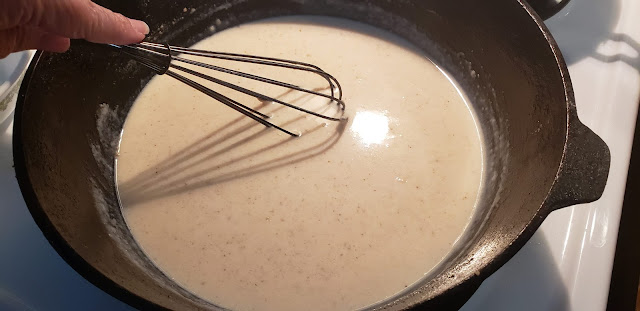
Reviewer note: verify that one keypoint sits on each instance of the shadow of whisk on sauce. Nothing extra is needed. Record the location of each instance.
(205, 162)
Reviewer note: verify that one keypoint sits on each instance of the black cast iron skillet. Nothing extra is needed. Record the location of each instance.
(539, 157)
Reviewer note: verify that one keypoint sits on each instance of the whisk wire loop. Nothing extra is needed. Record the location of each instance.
(161, 58)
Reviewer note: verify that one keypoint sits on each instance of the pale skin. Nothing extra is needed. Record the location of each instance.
(49, 25)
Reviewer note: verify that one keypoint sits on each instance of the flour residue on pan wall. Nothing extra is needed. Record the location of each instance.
(104, 149)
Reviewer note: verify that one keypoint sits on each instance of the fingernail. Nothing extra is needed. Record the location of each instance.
(140, 26)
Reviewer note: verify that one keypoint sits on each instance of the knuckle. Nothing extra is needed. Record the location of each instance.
(79, 13)
(94, 24)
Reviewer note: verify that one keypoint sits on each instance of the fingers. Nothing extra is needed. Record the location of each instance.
(82, 19)
(27, 38)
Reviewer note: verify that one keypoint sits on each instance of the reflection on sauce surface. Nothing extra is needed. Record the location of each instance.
(347, 215)
(370, 127)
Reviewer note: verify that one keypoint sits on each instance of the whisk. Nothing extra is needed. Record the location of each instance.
(165, 59)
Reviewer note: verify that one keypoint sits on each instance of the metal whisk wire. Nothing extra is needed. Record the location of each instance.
(162, 58)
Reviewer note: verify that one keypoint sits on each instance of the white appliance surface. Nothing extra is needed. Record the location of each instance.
(565, 266)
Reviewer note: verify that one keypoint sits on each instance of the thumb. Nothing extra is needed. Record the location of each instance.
(83, 19)
(27, 38)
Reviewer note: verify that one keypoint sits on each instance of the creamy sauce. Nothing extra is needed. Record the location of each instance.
(345, 216)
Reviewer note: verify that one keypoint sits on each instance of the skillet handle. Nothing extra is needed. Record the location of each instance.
(547, 8)
(584, 170)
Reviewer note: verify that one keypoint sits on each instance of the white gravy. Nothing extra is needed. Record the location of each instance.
(345, 216)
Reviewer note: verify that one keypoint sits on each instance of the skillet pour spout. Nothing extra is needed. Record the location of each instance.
(538, 155)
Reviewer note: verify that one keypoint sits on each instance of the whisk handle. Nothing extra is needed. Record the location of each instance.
(156, 57)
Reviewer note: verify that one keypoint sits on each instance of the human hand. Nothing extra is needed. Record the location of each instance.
(49, 24)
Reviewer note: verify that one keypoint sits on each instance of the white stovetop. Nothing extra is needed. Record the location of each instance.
(565, 266)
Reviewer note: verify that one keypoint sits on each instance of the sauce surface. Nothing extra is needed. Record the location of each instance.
(345, 216)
